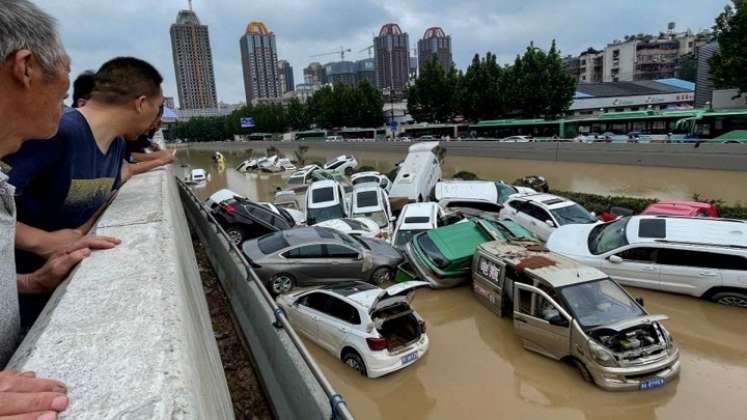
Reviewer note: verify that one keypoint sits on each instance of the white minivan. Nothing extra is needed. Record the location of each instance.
(417, 176)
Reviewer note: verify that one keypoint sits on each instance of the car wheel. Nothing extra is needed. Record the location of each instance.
(349, 171)
(582, 370)
(236, 234)
(282, 283)
(381, 275)
(731, 299)
(355, 361)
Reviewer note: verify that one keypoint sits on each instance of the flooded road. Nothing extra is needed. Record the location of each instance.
(476, 366)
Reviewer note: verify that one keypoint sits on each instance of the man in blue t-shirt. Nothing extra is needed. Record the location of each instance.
(62, 183)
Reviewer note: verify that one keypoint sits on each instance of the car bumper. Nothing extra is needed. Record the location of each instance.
(632, 378)
(427, 275)
(383, 362)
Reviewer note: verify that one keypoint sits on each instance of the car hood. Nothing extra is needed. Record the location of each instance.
(381, 248)
(571, 240)
(632, 322)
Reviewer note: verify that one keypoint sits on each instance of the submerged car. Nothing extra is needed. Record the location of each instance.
(567, 311)
(372, 330)
(416, 176)
(371, 176)
(325, 200)
(443, 256)
(310, 256)
(543, 213)
(682, 208)
(244, 219)
(372, 202)
(413, 219)
(344, 164)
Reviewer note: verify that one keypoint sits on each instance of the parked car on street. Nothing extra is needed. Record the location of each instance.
(309, 256)
(344, 164)
(358, 226)
(543, 213)
(372, 202)
(682, 208)
(416, 177)
(567, 311)
(443, 256)
(705, 258)
(413, 219)
(334, 139)
(518, 139)
(371, 176)
(325, 200)
(244, 219)
(372, 330)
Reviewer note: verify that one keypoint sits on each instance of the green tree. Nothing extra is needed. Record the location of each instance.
(346, 106)
(729, 64)
(297, 115)
(432, 97)
(370, 105)
(687, 68)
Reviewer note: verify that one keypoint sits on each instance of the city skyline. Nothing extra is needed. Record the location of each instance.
(94, 32)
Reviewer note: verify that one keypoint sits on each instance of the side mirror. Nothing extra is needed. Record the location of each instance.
(550, 223)
(639, 300)
(615, 259)
(558, 321)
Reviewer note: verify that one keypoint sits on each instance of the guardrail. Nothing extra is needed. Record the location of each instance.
(294, 381)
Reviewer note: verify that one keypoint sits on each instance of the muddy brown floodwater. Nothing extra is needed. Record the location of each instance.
(477, 368)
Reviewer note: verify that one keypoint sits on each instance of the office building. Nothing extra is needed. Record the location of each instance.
(285, 76)
(436, 43)
(340, 72)
(259, 61)
(392, 57)
(193, 62)
(365, 70)
(313, 74)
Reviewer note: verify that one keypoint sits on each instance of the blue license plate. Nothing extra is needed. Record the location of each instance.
(652, 383)
(410, 357)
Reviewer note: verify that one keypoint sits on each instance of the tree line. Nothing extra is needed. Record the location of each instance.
(536, 85)
(341, 105)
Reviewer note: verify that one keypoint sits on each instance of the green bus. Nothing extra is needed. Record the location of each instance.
(313, 136)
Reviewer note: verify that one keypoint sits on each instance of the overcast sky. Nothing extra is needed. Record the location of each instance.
(96, 30)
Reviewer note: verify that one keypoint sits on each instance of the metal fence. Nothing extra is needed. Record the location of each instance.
(296, 386)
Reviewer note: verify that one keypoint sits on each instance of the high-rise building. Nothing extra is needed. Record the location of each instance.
(435, 42)
(365, 70)
(392, 55)
(314, 74)
(193, 62)
(259, 60)
(703, 82)
(285, 76)
(168, 102)
(340, 72)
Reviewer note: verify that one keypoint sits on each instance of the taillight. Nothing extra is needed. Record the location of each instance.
(376, 343)
(229, 208)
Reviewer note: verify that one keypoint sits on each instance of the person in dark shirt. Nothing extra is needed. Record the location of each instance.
(62, 183)
(82, 88)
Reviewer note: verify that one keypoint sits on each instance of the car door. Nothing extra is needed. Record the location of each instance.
(336, 323)
(344, 261)
(688, 272)
(511, 211)
(306, 312)
(638, 267)
(537, 218)
(533, 312)
(307, 264)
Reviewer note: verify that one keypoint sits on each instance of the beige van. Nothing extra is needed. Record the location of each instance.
(571, 312)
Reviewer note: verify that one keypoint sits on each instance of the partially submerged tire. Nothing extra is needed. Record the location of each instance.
(281, 283)
(381, 275)
(582, 370)
(236, 234)
(730, 298)
(355, 361)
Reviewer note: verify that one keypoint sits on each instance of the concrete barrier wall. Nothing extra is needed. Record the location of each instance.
(290, 385)
(129, 332)
(731, 157)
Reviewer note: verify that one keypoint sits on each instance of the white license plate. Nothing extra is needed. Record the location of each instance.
(410, 357)
(652, 383)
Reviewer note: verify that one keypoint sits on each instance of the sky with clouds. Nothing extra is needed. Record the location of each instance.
(95, 30)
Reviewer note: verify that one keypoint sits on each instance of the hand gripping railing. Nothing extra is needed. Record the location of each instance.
(337, 403)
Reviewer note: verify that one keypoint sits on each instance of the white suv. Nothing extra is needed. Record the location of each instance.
(699, 257)
(543, 213)
(373, 330)
(325, 200)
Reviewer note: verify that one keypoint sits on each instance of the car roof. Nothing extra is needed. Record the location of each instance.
(687, 230)
(545, 200)
(365, 173)
(683, 208)
(459, 240)
(555, 269)
(303, 235)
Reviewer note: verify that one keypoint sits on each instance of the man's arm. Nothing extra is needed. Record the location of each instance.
(130, 169)
(44, 244)
(143, 157)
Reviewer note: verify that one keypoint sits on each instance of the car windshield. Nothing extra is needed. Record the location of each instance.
(318, 215)
(572, 214)
(378, 216)
(404, 236)
(504, 191)
(364, 179)
(600, 302)
(605, 238)
(431, 251)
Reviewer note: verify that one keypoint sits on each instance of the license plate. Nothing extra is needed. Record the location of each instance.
(652, 383)
(410, 357)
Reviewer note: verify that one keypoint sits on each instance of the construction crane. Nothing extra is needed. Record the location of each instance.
(341, 51)
(369, 49)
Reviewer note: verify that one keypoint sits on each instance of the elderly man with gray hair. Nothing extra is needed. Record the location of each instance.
(34, 79)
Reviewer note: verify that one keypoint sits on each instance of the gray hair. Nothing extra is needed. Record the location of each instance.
(24, 26)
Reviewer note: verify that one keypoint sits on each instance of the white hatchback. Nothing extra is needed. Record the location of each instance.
(541, 214)
(372, 202)
(372, 330)
(344, 164)
(415, 218)
(325, 200)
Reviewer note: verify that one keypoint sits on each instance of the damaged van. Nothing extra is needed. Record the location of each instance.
(571, 312)
(372, 330)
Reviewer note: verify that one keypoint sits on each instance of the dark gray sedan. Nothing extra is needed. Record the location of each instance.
(316, 255)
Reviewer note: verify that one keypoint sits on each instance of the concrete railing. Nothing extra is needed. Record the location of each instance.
(129, 332)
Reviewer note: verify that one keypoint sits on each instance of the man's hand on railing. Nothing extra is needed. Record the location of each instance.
(54, 271)
(23, 396)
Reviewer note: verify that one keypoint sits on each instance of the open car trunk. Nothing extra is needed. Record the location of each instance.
(398, 325)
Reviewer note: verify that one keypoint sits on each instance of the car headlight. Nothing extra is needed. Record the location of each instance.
(667, 337)
(601, 355)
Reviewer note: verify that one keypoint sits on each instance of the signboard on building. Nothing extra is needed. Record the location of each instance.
(246, 122)
(628, 101)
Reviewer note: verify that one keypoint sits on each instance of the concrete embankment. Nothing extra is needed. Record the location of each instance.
(731, 157)
(129, 332)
